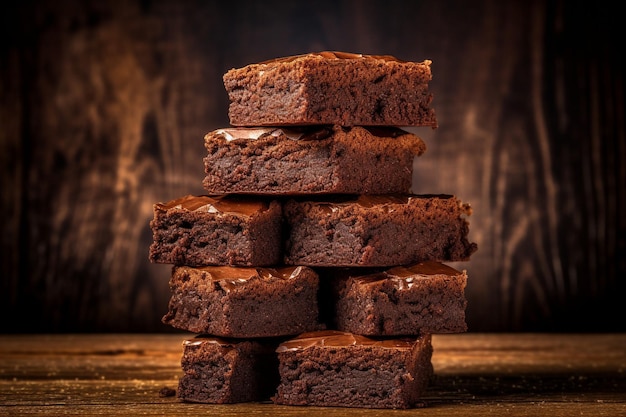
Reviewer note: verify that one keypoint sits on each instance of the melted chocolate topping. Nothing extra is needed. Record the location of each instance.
(229, 277)
(335, 338)
(333, 55)
(386, 201)
(225, 204)
(198, 340)
(423, 268)
(405, 277)
(294, 133)
(367, 201)
(300, 133)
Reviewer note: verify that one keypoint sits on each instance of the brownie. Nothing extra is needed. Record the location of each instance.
(223, 230)
(310, 160)
(383, 230)
(243, 302)
(340, 369)
(225, 371)
(428, 297)
(331, 88)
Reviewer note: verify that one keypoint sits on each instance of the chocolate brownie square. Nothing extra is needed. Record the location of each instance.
(244, 302)
(383, 230)
(331, 88)
(428, 297)
(340, 369)
(310, 160)
(222, 230)
(226, 371)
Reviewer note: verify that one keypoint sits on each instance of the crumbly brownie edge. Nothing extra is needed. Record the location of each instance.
(327, 233)
(225, 372)
(391, 307)
(292, 96)
(257, 308)
(334, 375)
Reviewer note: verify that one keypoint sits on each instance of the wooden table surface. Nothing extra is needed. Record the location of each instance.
(476, 375)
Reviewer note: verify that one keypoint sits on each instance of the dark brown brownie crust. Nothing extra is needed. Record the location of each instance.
(340, 369)
(428, 297)
(244, 302)
(226, 371)
(226, 230)
(376, 230)
(313, 160)
(331, 88)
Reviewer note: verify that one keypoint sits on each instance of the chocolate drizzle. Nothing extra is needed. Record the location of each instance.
(201, 339)
(405, 277)
(293, 133)
(228, 277)
(423, 268)
(333, 55)
(301, 132)
(335, 338)
(368, 201)
(383, 201)
(223, 204)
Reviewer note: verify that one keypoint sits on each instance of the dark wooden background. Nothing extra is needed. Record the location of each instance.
(103, 107)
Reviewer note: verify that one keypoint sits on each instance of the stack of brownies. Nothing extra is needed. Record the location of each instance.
(310, 272)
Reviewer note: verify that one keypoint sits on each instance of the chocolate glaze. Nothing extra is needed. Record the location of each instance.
(423, 268)
(333, 55)
(223, 204)
(335, 338)
(229, 277)
(294, 133)
(200, 339)
(405, 277)
(331, 204)
(301, 133)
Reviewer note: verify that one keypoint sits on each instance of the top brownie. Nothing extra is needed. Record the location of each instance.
(335, 88)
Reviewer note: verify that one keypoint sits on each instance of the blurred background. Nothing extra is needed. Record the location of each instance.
(104, 105)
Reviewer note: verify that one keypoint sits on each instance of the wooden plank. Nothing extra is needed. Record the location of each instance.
(476, 374)
(128, 400)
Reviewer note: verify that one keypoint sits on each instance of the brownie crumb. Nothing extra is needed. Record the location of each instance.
(167, 392)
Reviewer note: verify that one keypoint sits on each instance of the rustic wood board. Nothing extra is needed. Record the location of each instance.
(476, 374)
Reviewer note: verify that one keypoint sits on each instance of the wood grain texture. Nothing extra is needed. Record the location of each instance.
(476, 375)
(103, 108)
